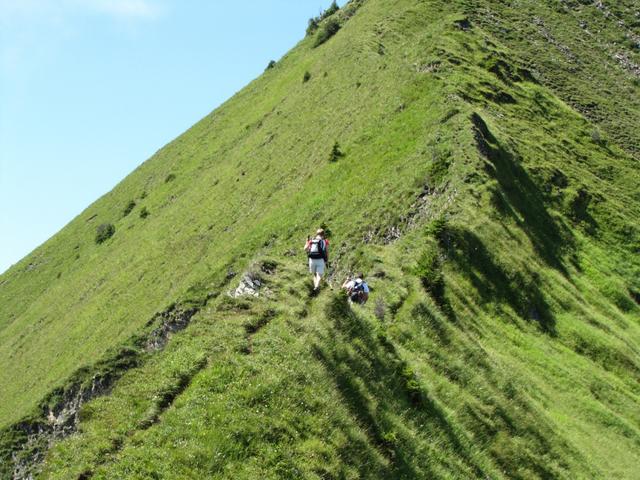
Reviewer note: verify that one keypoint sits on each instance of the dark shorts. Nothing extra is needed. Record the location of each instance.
(359, 297)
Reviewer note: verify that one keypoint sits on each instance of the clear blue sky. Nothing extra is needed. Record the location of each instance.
(89, 89)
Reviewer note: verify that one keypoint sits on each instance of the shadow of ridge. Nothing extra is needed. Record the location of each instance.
(523, 196)
(493, 283)
(365, 365)
(500, 406)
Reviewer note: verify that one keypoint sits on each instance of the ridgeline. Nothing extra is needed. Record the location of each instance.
(477, 160)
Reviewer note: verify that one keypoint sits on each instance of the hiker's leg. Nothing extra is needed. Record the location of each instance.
(312, 270)
(321, 268)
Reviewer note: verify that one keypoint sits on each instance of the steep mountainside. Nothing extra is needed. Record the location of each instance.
(477, 160)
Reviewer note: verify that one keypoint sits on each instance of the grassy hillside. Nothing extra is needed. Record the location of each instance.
(496, 219)
(586, 52)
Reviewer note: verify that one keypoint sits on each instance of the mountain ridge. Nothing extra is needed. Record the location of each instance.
(447, 173)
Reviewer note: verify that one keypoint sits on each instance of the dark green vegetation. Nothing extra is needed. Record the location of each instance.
(496, 220)
(271, 64)
(336, 153)
(314, 22)
(129, 208)
(104, 232)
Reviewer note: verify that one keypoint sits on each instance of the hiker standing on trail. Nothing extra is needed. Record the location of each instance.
(357, 289)
(317, 249)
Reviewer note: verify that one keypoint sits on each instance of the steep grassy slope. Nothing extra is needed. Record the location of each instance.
(587, 52)
(501, 237)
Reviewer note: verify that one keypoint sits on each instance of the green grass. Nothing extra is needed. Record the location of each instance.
(499, 238)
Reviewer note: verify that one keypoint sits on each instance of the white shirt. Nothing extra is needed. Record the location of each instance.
(352, 283)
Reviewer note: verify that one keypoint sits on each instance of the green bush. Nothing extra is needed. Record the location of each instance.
(327, 230)
(429, 270)
(170, 178)
(104, 232)
(314, 22)
(577, 204)
(144, 213)
(328, 30)
(312, 26)
(127, 210)
(272, 64)
(333, 8)
(439, 230)
(336, 153)
(412, 385)
(390, 439)
(306, 77)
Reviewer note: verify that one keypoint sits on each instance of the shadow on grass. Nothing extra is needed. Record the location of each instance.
(494, 283)
(376, 384)
(520, 197)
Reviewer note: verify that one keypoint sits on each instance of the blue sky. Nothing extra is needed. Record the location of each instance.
(89, 89)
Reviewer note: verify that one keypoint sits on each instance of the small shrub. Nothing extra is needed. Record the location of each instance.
(127, 210)
(272, 64)
(144, 213)
(312, 27)
(463, 24)
(439, 229)
(336, 153)
(170, 178)
(306, 78)
(327, 230)
(104, 232)
(333, 8)
(577, 204)
(269, 267)
(314, 22)
(390, 439)
(429, 270)
(328, 30)
(412, 385)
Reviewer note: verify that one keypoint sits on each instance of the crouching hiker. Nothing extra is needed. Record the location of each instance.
(357, 289)
(317, 249)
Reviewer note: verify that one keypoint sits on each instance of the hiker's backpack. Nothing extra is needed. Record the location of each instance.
(358, 286)
(358, 292)
(317, 248)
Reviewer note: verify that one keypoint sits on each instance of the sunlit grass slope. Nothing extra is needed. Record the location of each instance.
(499, 234)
